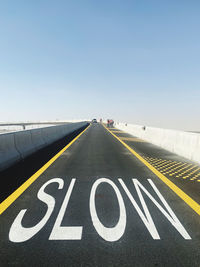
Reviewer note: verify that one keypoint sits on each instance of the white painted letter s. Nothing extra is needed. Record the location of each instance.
(18, 233)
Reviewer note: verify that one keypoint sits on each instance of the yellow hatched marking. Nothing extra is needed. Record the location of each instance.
(117, 131)
(193, 172)
(154, 160)
(164, 167)
(159, 162)
(188, 165)
(182, 167)
(184, 170)
(187, 170)
(180, 164)
(187, 199)
(174, 167)
(151, 160)
(168, 166)
(131, 139)
(197, 175)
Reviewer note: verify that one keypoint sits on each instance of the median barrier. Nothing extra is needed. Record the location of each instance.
(185, 144)
(18, 145)
(23, 143)
(49, 134)
(37, 138)
(8, 151)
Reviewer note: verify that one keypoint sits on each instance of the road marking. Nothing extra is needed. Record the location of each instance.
(133, 139)
(176, 169)
(190, 202)
(117, 132)
(146, 216)
(18, 233)
(110, 234)
(66, 232)
(10, 199)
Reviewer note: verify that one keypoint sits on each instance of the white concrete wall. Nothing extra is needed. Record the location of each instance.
(185, 144)
(15, 146)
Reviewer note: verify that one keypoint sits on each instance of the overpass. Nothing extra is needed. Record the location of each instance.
(98, 196)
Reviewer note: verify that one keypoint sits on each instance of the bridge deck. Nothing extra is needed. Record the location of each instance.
(108, 199)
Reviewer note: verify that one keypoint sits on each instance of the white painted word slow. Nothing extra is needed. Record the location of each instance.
(18, 233)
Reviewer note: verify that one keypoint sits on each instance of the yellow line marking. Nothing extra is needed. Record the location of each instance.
(131, 139)
(117, 132)
(10, 199)
(190, 202)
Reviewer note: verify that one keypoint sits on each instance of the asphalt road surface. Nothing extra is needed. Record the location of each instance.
(106, 199)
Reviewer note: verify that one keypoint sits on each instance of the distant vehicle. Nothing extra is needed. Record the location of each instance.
(94, 121)
(110, 123)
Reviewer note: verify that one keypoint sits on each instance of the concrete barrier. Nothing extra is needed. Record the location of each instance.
(185, 144)
(49, 134)
(18, 145)
(8, 151)
(37, 138)
(23, 143)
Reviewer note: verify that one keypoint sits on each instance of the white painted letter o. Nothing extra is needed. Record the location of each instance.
(108, 233)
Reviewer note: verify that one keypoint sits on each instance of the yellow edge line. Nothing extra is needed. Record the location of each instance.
(193, 204)
(10, 199)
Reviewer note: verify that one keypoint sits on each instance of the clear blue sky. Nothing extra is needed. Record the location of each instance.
(133, 61)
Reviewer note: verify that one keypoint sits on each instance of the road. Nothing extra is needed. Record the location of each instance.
(106, 199)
